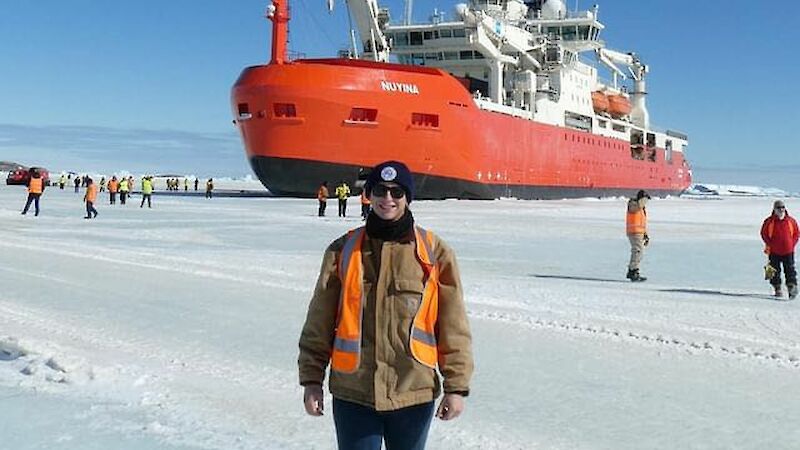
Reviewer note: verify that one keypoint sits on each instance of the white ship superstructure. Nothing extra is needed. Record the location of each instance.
(524, 60)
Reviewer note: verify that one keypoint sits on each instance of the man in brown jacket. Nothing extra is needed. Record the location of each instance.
(387, 312)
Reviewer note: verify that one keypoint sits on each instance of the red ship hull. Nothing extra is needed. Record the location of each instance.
(328, 120)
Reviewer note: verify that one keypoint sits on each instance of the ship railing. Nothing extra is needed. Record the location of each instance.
(293, 55)
(489, 105)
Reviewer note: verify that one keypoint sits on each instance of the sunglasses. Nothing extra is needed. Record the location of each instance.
(380, 190)
(780, 207)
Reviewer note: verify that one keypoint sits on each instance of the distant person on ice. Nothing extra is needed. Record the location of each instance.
(90, 197)
(77, 183)
(364, 205)
(147, 191)
(377, 284)
(636, 229)
(342, 192)
(780, 234)
(209, 187)
(113, 186)
(35, 191)
(123, 190)
(322, 197)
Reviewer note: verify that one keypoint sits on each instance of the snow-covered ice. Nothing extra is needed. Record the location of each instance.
(176, 327)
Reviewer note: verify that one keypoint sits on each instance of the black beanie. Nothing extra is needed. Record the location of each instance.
(391, 172)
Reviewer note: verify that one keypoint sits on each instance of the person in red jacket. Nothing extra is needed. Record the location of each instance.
(780, 234)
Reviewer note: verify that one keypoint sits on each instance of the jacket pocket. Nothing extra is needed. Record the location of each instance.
(408, 297)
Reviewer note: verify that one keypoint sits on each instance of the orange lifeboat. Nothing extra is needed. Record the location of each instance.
(618, 106)
(599, 101)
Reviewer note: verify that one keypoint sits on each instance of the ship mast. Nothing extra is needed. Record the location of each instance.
(278, 13)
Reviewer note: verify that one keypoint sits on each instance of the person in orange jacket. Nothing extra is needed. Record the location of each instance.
(35, 190)
(636, 229)
(113, 186)
(388, 317)
(779, 233)
(90, 197)
(365, 204)
(322, 196)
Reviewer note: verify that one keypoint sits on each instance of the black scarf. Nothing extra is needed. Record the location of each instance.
(388, 230)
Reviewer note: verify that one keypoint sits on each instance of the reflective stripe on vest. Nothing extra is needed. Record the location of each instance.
(636, 222)
(345, 355)
(35, 186)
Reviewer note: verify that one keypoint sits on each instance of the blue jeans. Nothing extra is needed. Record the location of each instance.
(362, 428)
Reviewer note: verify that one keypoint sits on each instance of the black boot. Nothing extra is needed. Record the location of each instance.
(634, 275)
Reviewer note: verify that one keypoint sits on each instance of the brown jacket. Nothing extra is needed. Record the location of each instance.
(388, 377)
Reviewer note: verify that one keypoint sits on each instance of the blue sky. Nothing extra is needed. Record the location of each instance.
(157, 74)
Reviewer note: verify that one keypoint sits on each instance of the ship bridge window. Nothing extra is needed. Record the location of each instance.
(459, 33)
(418, 59)
(363, 115)
(425, 120)
(415, 38)
(428, 35)
(583, 32)
(401, 39)
(450, 55)
(432, 56)
(465, 54)
(445, 33)
(284, 110)
(478, 55)
(554, 31)
(569, 33)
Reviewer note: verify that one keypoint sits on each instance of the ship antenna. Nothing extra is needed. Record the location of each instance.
(409, 6)
(278, 13)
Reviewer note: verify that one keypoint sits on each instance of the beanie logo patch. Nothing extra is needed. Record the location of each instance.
(388, 173)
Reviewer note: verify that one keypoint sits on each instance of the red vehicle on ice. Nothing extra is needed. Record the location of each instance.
(23, 175)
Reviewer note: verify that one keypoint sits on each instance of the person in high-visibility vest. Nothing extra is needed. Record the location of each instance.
(35, 191)
(102, 184)
(342, 192)
(209, 188)
(90, 197)
(113, 186)
(123, 189)
(322, 197)
(147, 191)
(636, 229)
(780, 235)
(388, 315)
(364, 205)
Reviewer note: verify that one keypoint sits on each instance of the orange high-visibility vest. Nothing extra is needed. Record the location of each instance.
(35, 186)
(112, 185)
(346, 352)
(636, 222)
(91, 193)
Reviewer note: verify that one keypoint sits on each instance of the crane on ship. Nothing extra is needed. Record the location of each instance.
(637, 70)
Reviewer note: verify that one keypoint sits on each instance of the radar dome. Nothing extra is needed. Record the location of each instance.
(553, 9)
